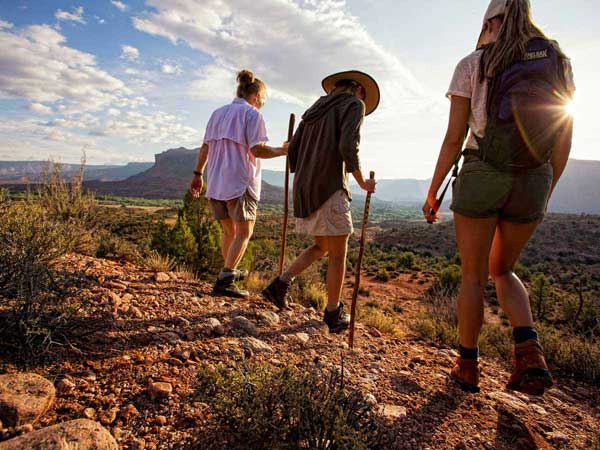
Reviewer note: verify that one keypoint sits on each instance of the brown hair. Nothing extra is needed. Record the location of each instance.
(518, 28)
(248, 85)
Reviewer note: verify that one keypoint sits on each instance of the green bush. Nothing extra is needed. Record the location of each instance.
(261, 407)
(31, 242)
(407, 260)
(540, 293)
(439, 321)
(382, 275)
(195, 239)
(450, 277)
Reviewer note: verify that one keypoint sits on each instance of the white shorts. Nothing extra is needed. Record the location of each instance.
(333, 218)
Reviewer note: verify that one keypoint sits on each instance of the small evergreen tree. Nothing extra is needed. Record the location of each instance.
(540, 293)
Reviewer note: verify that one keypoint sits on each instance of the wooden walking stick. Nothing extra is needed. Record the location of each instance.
(361, 251)
(285, 197)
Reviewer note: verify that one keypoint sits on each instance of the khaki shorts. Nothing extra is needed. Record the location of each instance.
(481, 191)
(241, 209)
(333, 218)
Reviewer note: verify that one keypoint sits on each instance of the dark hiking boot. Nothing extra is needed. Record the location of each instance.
(226, 287)
(338, 320)
(276, 293)
(530, 375)
(466, 374)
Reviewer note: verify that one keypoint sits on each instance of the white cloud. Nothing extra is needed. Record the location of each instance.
(171, 69)
(157, 128)
(4, 24)
(40, 109)
(36, 65)
(75, 16)
(129, 52)
(122, 6)
(113, 112)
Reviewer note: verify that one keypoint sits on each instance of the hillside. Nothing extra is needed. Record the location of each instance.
(14, 172)
(134, 369)
(168, 178)
(577, 192)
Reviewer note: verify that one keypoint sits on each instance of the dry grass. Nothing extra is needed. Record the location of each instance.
(373, 317)
(314, 295)
(256, 282)
(159, 263)
(186, 272)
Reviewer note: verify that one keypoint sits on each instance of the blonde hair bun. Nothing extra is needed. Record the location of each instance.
(245, 77)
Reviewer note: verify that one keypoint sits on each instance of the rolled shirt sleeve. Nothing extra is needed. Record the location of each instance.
(256, 130)
(462, 80)
(350, 136)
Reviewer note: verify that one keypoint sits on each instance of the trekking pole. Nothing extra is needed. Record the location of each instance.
(361, 251)
(285, 196)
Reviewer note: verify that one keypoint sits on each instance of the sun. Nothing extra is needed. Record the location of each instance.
(571, 107)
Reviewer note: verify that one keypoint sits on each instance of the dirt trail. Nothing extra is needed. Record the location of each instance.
(159, 331)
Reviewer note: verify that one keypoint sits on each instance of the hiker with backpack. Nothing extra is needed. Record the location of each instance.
(512, 93)
(234, 143)
(323, 151)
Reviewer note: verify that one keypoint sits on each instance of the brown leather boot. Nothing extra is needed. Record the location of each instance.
(466, 374)
(530, 375)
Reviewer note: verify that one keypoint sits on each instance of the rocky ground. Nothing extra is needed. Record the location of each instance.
(133, 369)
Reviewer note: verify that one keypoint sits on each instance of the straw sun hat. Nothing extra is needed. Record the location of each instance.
(366, 81)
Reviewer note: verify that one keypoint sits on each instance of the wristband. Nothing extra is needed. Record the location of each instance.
(199, 174)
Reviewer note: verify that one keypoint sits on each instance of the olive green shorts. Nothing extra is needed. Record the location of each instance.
(481, 191)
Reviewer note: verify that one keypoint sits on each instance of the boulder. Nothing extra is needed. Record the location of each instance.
(160, 390)
(243, 324)
(80, 434)
(256, 345)
(24, 398)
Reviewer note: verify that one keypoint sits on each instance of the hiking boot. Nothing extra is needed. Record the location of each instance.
(466, 374)
(338, 320)
(240, 275)
(226, 287)
(530, 375)
(276, 293)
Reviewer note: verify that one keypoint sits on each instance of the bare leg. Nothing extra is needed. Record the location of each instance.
(474, 239)
(336, 269)
(243, 232)
(508, 243)
(227, 236)
(307, 257)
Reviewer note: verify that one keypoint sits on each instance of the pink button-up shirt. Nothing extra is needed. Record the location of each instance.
(230, 134)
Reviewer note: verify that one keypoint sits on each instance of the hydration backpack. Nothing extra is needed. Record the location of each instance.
(525, 110)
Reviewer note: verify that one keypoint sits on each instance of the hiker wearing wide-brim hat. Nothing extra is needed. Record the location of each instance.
(519, 142)
(323, 151)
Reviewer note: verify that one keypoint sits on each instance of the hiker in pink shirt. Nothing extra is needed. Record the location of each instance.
(234, 143)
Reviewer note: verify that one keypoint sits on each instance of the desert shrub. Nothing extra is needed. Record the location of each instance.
(540, 292)
(570, 355)
(159, 263)
(31, 242)
(261, 407)
(186, 272)
(382, 275)
(375, 318)
(407, 260)
(522, 272)
(66, 201)
(439, 321)
(314, 295)
(194, 239)
(450, 277)
(116, 247)
(256, 282)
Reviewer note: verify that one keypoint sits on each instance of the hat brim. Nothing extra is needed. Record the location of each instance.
(372, 93)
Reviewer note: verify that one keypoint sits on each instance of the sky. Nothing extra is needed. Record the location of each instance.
(120, 81)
